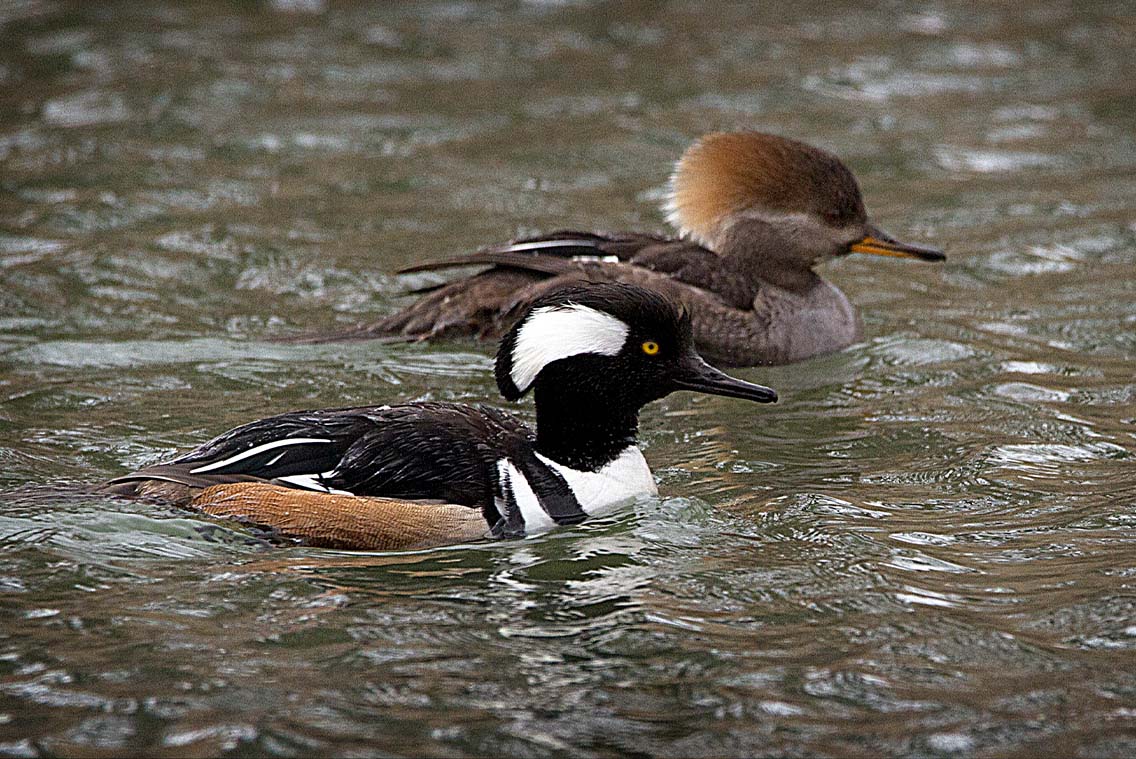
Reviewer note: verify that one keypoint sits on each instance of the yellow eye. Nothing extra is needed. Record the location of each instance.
(650, 347)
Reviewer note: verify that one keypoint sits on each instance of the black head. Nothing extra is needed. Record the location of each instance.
(609, 346)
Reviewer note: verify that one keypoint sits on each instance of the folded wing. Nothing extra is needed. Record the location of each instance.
(485, 304)
(423, 452)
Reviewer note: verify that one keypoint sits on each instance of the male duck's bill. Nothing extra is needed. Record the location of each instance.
(697, 375)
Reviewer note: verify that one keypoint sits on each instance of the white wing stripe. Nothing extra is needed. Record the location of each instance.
(595, 259)
(257, 450)
(312, 482)
(542, 244)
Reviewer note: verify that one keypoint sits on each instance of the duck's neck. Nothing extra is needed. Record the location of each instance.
(585, 433)
(758, 252)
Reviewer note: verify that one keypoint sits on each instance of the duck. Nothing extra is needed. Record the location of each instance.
(755, 213)
(420, 474)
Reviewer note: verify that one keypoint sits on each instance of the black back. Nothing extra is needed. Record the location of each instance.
(423, 451)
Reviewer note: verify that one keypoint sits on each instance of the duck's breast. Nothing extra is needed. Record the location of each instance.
(623, 479)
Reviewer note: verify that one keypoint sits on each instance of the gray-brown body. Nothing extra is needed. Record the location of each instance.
(738, 319)
(755, 214)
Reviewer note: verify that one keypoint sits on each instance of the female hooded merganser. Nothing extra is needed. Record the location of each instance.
(755, 213)
(429, 473)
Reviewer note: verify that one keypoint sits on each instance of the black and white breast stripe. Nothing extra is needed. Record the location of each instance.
(533, 496)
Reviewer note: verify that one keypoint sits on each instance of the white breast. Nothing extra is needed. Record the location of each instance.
(616, 483)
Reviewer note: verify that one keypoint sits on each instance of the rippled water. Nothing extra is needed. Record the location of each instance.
(926, 548)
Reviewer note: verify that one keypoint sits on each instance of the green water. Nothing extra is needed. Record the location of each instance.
(926, 548)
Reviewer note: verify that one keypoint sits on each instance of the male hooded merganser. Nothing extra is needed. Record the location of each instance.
(755, 213)
(428, 473)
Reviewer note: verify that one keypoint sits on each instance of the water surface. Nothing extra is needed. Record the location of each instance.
(925, 549)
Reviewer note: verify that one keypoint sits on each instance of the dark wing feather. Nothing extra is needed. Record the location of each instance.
(299, 443)
(487, 303)
(338, 427)
(545, 263)
(682, 262)
(533, 252)
(424, 451)
(451, 454)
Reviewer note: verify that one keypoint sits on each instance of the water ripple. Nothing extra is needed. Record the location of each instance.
(925, 548)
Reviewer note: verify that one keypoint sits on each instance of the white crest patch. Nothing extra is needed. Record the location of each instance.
(555, 332)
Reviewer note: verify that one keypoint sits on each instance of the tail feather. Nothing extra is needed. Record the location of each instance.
(485, 304)
(469, 307)
(179, 474)
(536, 255)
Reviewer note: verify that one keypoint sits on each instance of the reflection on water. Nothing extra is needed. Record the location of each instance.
(925, 548)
